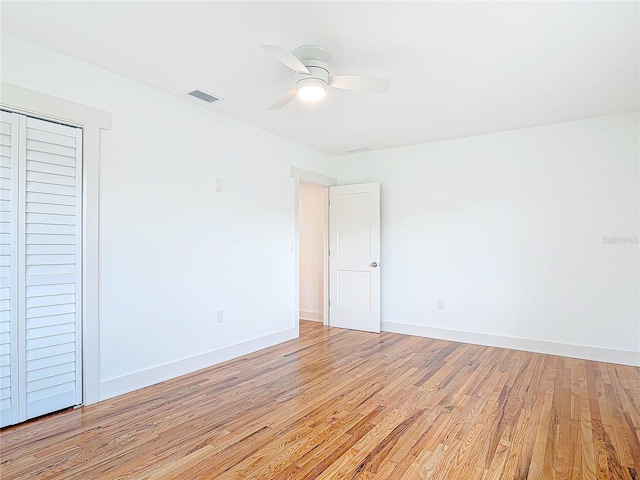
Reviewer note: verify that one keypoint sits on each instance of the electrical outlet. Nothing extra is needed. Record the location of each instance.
(441, 303)
(220, 316)
(218, 185)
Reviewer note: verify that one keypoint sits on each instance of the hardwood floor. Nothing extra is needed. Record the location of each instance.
(340, 404)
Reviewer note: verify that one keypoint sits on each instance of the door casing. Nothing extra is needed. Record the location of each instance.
(91, 120)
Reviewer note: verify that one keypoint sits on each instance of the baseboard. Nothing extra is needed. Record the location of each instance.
(313, 316)
(128, 383)
(538, 346)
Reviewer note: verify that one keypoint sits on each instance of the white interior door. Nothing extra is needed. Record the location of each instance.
(354, 256)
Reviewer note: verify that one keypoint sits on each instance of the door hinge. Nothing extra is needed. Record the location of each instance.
(329, 252)
(329, 302)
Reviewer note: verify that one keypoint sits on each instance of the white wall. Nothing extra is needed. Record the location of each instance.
(508, 228)
(313, 223)
(172, 250)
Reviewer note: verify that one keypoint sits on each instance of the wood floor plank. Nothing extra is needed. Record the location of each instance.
(337, 404)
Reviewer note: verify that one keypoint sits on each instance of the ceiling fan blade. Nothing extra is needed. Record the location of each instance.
(283, 100)
(362, 83)
(285, 57)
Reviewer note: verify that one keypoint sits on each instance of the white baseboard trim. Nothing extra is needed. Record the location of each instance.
(133, 381)
(308, 315)
(624, 357)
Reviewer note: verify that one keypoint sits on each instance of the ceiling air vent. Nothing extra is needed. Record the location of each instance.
(204, 96)
(358, 150)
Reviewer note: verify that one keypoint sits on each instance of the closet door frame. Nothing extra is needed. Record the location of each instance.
(91, 120)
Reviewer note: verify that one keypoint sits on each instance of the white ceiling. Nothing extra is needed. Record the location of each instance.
(456, 68)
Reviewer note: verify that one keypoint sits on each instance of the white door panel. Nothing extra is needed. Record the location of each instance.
(354, 231)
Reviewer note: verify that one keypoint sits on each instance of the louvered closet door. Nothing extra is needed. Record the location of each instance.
(8, 269)
(40, 269)
(50, 274)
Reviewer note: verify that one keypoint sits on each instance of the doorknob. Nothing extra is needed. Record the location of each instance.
(374, 264)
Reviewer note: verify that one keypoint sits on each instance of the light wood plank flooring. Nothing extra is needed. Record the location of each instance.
(340, 404)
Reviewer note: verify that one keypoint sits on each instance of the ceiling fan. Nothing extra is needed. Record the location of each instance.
(312, 75)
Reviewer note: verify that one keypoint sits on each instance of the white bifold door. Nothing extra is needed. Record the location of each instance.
(40, 267)
(354, 256)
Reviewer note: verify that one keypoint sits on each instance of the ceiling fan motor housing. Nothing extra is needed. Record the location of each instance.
(314, 57)
(318, 74)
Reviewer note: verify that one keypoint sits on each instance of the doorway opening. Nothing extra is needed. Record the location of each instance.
(299, 177)
(351, 235)
(313, 252)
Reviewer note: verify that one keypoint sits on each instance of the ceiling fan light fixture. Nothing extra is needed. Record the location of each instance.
(312, 75)
(312, 93)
